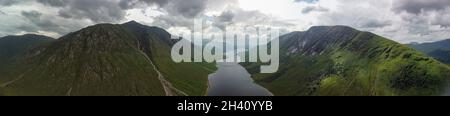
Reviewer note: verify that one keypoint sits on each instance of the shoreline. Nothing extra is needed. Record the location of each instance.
(207, 85)
(207, 81)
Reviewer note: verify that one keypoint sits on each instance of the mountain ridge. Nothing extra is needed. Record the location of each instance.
(97, 60)
(438, 50)
(103, 59)
(339, 60)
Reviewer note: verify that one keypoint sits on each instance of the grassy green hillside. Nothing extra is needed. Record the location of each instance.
(190, 78)
(98, 60)
(343, 61)
(105, 59)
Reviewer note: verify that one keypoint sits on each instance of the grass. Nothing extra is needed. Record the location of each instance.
(367, 65)
(88, 68)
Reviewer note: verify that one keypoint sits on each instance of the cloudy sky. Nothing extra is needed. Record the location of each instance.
(404, 21)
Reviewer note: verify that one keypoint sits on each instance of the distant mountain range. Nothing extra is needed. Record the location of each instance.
(13, 46)
(104, 59)
(439, 50)
(339, 60)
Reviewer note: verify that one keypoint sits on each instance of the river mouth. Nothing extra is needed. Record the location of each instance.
(231, 79)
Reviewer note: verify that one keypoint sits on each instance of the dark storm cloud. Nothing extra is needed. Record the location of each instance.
(2, 13)
(100, 11)
(375, 24)
(128, 4)
(310, 9)
(226, 16)
(9, 2)
(240, 17)
(31, 14)
(419, 6)
(85, 12)
(56, 3)
(40, 22)
(186, 8)
(167, 21)
(307, 1)
(423, 10)
(224, 19)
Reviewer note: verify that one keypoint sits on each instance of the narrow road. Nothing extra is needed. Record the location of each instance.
(168, 87)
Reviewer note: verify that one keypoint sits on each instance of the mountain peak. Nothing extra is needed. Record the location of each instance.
(28, 36)
(140, 29)
(320, 39)
(99, 38)
(132, 22)
(136, 24)
(336, 27)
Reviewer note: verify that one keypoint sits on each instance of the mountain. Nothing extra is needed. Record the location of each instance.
(441, 55)
(339, 60)
(192, 78)
(439, 50)
(430, 47)
(12, 46)
(105, 59)
(97, 60)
